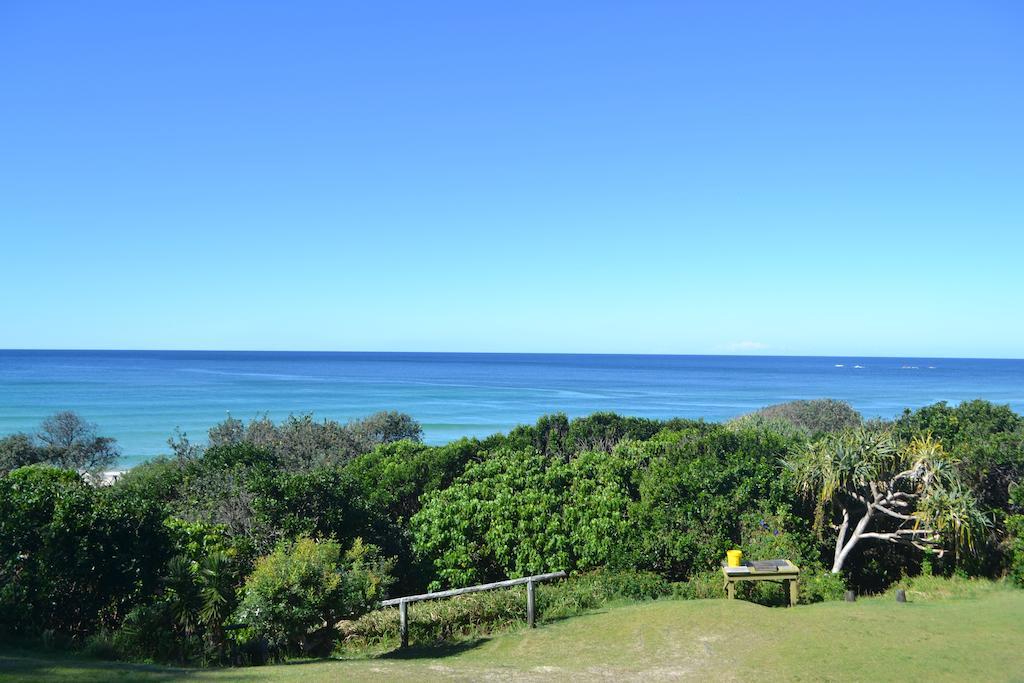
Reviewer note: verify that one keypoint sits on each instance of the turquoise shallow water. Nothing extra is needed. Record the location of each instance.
(139, 397)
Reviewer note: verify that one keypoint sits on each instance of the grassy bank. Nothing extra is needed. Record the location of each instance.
(949, 631)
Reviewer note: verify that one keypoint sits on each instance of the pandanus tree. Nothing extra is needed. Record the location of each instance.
(200, 596)
(872, 488)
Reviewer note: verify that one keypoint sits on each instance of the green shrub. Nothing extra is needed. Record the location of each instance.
(101, 646)
(557, 436)
(158, 479)
(74, 558)
(63, 440)
(502, 517)
(691, 494)
(296, 595)
(387, 489)
(519, 512)
(820, 586)
(778, 425)
(667, 505)
(778, 535)
(1015, 532)
(322, 503)
(301, 443)
(185, 621)
(987, 442)
(632, 585)
(700, 586)
(783, 535)
(810, 418)
(147, 633)
(439, 620)
(924, 588)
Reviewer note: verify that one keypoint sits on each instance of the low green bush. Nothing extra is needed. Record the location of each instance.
(821, 586)
(184, 622)
(148, 634)
(1015, 534)
(296, 595)
(814, 417)
(700, 586)
(773, 535)
(624, 584)
(438, 620)
(101, 645)
(924, 587)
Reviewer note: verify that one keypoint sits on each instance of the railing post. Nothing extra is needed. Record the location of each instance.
(530, 604)
(403, 622)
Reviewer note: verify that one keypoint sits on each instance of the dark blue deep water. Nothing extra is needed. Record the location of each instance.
(139, 397)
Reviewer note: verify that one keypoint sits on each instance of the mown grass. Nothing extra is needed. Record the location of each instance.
(481, 615)
(950, 630)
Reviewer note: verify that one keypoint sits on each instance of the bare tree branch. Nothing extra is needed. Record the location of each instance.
(897, 515)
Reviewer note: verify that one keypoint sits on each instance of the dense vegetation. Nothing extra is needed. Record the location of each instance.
(270, 540)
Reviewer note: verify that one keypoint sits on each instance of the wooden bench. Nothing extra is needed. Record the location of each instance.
(782, 571)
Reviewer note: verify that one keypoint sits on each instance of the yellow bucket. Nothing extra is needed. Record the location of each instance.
(733, 557)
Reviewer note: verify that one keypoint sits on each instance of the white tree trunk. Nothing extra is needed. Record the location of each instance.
(881, 503)
(843, 549)
(841, 538)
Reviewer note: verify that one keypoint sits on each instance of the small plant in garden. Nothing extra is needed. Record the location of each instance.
(296, 595)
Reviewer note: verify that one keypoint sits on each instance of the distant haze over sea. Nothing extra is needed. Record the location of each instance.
(139, 397)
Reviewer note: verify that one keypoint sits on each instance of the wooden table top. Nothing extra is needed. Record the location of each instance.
(762, 568)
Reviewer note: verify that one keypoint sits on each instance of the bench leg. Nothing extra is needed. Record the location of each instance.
(730, 590)
(794, 592)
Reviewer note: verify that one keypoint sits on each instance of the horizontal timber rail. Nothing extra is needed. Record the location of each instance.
(473, 589)
(530, 581)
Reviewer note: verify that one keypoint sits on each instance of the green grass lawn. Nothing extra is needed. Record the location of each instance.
(977, 637)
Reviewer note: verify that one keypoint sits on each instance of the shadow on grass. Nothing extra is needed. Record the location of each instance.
(565, 617)
(38, 664)
(434, 650)
(32, 665)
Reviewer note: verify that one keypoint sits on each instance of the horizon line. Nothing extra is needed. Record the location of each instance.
(507, 353)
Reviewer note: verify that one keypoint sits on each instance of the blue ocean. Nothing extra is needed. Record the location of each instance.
(140, 397)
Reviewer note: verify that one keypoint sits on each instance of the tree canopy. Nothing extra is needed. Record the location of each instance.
(872, 487)
(63, 440)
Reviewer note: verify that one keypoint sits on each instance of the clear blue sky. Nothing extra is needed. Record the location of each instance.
(676, 177)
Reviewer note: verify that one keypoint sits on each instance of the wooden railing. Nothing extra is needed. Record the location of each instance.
(530, 581)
